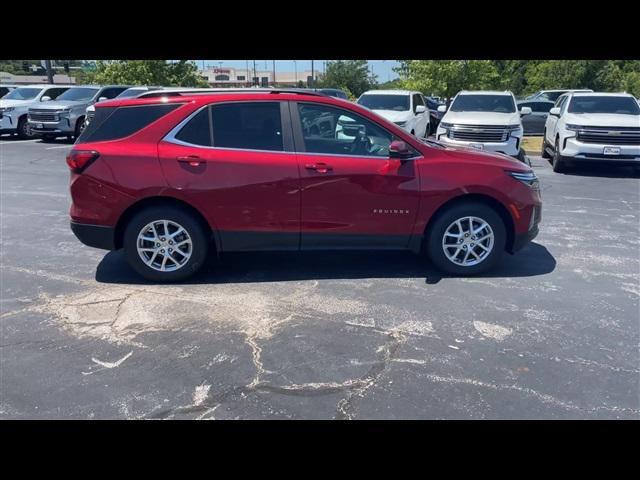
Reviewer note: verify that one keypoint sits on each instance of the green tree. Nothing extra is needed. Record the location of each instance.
(148, 72)
(447, 77)
(349, 75)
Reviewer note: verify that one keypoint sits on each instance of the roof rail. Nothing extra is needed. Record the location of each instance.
(161, 93)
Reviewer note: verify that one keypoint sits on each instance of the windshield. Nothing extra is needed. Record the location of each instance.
(484, 103)
(80, 94)
(604, 104)
(399, 103)
(22, 93)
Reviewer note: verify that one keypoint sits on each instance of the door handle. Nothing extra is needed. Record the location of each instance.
(318, 167)
(192, 160)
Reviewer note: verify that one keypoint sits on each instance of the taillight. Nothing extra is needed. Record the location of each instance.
(78, 160)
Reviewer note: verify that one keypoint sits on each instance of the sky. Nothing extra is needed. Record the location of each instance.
(382, 68)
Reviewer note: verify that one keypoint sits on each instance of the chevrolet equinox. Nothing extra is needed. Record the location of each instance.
(171, 179)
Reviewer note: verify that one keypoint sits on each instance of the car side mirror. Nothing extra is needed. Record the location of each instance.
(525, 111)
(442, 108)
(420, 109)
(45, 99)
(399, 149)
(555, 111)
(102, 99)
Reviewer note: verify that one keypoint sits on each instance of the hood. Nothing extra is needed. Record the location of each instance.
(54, 105)
(14, 103)
(394, 115)
(481, 118)
(603, 119)
(494, 159)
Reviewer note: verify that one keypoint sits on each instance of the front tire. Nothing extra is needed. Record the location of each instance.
(165, 244)
(545, 145)
(24, 131)
(80, 124)
(466, 239)
(558, 163)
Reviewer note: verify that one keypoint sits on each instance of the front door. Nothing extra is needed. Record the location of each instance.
(353, 194)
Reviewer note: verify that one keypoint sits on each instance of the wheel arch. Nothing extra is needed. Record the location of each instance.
(485, 199)
(154, 201)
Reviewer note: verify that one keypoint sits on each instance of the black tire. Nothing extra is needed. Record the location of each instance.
(433, 241)
(523, 157)
(80, 124)
(557, 162)
(545, 145)
(199, 238)
(24, 131)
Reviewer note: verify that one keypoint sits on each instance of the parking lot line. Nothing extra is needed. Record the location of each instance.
(59, 146)
(9, 142)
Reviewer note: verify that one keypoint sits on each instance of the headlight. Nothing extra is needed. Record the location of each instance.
(64, 112)
(7, 109)
(528, 178)
(400, 124)
(515, 129)
(573, 128)
(445, 125)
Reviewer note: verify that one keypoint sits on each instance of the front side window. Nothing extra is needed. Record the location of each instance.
(247, 125)
(330, 130)
(110, 93)
(398, 103)
(484, 103)
(22, 93)
(79, 94)
(604, 104)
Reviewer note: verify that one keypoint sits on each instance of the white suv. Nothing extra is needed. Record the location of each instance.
(593, 127)
(485, 120)
(14, 106)
(402, 107)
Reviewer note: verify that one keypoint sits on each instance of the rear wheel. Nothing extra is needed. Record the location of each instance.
(165, 244)
(545, 145)
(558, 163)
(466, 239)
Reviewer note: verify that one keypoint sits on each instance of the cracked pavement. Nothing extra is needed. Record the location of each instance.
(553, 333)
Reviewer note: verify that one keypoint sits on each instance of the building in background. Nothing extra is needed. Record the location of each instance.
(58, 79)
(241, 77)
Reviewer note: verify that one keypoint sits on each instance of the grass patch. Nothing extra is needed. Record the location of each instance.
(532, 144)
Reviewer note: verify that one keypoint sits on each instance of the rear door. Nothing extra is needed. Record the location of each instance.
(353, 194)
(235, 162)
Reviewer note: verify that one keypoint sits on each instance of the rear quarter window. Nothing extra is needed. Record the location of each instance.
(115, 123)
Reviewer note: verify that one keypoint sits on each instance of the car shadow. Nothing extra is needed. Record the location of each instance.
(252, 267)
(58, 141)
(603, 171)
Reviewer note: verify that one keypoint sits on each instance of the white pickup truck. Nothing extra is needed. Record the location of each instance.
(486, 120)
(593, 127)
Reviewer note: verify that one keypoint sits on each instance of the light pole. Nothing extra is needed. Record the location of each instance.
(295, 68)
(274, 73)
(313, 77)
(255, 75)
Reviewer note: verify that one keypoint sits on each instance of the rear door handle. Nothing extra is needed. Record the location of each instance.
(192, 160)
(318, 167)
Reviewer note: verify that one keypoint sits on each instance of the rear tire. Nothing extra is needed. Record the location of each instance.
(444, 230)
(178, 265)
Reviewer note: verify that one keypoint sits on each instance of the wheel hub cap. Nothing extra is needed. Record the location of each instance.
(468, 241)
(164, 245)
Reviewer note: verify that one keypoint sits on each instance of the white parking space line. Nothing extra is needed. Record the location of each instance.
(9, 142)
(59, 146)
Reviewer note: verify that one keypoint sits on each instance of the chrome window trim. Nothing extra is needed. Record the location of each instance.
(171, 138)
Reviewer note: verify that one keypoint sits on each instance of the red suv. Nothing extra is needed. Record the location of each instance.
(171, 178)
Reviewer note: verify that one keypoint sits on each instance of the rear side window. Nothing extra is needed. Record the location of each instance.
(247, 125)
(115, 123)
(197, 131)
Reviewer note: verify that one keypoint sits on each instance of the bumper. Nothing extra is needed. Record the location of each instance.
(62, 127)
(8, 124)
(96, 236)
(522, 239)
(594, 152)
(510, 147)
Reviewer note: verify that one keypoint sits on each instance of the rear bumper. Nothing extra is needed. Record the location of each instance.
(96, 236)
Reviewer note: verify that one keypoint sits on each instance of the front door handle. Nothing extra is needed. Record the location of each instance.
(192, 160)
(318, 167)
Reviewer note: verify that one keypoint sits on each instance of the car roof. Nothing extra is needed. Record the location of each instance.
(390, 92)
(485, 92)
(602, 94)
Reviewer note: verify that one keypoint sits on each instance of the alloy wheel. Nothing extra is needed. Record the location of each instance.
(468, 241)
(164, 245)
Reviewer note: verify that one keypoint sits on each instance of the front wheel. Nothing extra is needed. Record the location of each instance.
(545, 145)
(80, 124)
(466, 239)
(165, 244)
(24, 130)
(558, 164)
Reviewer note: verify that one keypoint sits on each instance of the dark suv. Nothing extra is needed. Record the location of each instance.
(171, 178)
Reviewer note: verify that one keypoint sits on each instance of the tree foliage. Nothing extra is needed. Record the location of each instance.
(181, 73)
(352, 76)
(447, 77)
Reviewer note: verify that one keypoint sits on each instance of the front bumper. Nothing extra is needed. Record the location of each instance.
(64, 126)
(510, 147)
(522, 239)
(8, 123)
(96, 236)
(594, 152)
